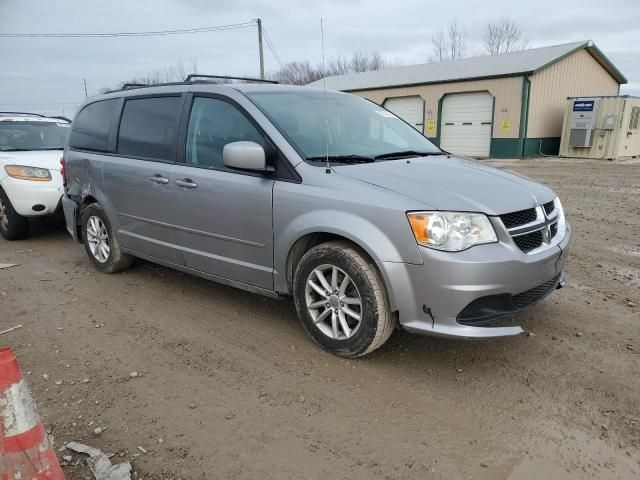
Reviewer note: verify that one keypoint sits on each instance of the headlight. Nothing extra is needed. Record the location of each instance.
(451, 231)
(562, 221)
(28, 173)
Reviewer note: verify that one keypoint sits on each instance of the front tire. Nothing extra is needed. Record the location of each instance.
(341, 300)
(100, 243)
(12, 225)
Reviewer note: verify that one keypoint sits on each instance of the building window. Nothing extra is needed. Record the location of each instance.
(634, 122)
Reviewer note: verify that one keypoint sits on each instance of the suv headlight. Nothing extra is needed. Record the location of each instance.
(28, 173)
(451, 231)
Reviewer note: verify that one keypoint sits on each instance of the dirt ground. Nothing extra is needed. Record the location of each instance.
(229, 386)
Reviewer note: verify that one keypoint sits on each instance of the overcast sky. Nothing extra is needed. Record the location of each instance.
(46, 74)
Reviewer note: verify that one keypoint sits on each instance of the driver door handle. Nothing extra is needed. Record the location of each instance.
(186, 183)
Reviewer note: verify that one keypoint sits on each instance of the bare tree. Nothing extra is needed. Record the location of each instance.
(457, 41)
(302, 73)
(503, 35)
(439, 47)
(449, 44)
(337, 66)
(364, 62)
(297, 73)
(172, 73)
(294, 73)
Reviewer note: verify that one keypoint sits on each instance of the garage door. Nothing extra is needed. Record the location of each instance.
(410, 109)
(466, 123)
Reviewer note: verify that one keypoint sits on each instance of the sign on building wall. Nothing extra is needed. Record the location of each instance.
(431, 124)
(506, 123)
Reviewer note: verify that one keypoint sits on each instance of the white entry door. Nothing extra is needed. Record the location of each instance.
(466, 123)
(410, 109)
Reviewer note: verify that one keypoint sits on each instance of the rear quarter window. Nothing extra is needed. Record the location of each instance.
(149, 127)
(90, 130)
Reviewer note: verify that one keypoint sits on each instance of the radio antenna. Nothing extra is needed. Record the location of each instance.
(324, 99)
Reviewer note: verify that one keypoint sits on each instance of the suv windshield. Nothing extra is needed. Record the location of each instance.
(33, 135)
(358, 130)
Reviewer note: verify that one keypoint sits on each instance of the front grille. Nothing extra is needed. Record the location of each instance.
(532, 228)
(549, 207)
(521, 217)
(536, 294)
(529, 241)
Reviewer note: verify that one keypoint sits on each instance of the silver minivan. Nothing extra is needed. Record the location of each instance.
(317, 195)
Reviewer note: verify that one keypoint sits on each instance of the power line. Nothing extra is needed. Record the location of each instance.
(272, 48)
(151, 33)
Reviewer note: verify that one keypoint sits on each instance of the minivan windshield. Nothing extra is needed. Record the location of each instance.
(33, 135)
(345, 127)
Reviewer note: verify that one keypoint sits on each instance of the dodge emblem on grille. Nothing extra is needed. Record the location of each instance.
(546, 234)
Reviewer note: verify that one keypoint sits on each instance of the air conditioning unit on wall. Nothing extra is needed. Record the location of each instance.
(582, 122)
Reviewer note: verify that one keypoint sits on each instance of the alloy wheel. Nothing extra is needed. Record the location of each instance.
(333, 301)
(98, 239)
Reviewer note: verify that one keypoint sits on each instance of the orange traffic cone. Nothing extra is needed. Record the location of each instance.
(25, 451)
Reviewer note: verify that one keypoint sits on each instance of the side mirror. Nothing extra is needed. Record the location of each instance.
(245, 156)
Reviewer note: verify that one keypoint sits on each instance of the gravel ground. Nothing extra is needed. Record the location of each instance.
(228, 385)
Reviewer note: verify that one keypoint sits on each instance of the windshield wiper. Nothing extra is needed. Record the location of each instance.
(343, 158)
(407, 153)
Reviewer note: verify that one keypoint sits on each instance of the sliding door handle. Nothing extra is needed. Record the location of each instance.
(157, 178)
(186, 183)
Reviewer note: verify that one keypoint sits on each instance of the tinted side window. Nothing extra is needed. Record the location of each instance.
(212, 124)
(90, 129)
(149, 127)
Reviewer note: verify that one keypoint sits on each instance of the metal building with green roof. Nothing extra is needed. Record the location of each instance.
(504, 106)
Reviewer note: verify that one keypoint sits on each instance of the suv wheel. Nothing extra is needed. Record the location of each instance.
(12, 225)
(341, 300)
(100, 243)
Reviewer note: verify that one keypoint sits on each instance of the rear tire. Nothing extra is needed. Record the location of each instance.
(347, 321)
(100, 243)
(12, 225)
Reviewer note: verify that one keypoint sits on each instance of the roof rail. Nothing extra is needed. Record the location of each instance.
(130, 86)
(23, 113)
(190, 79)
(194, 77)
(126, 86)
(61, 117)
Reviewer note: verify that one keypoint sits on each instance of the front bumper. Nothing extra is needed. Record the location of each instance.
(434, 297)
(34, 199)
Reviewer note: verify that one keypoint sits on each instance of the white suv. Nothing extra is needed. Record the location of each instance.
(31, 183)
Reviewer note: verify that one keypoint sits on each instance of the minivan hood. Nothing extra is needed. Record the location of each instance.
(49, 159)
(452, 183)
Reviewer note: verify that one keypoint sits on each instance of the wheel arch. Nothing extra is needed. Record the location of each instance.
(92, 195)
(309, 240)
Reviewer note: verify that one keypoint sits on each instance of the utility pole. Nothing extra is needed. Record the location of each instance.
(260, 49)
(85, 87)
